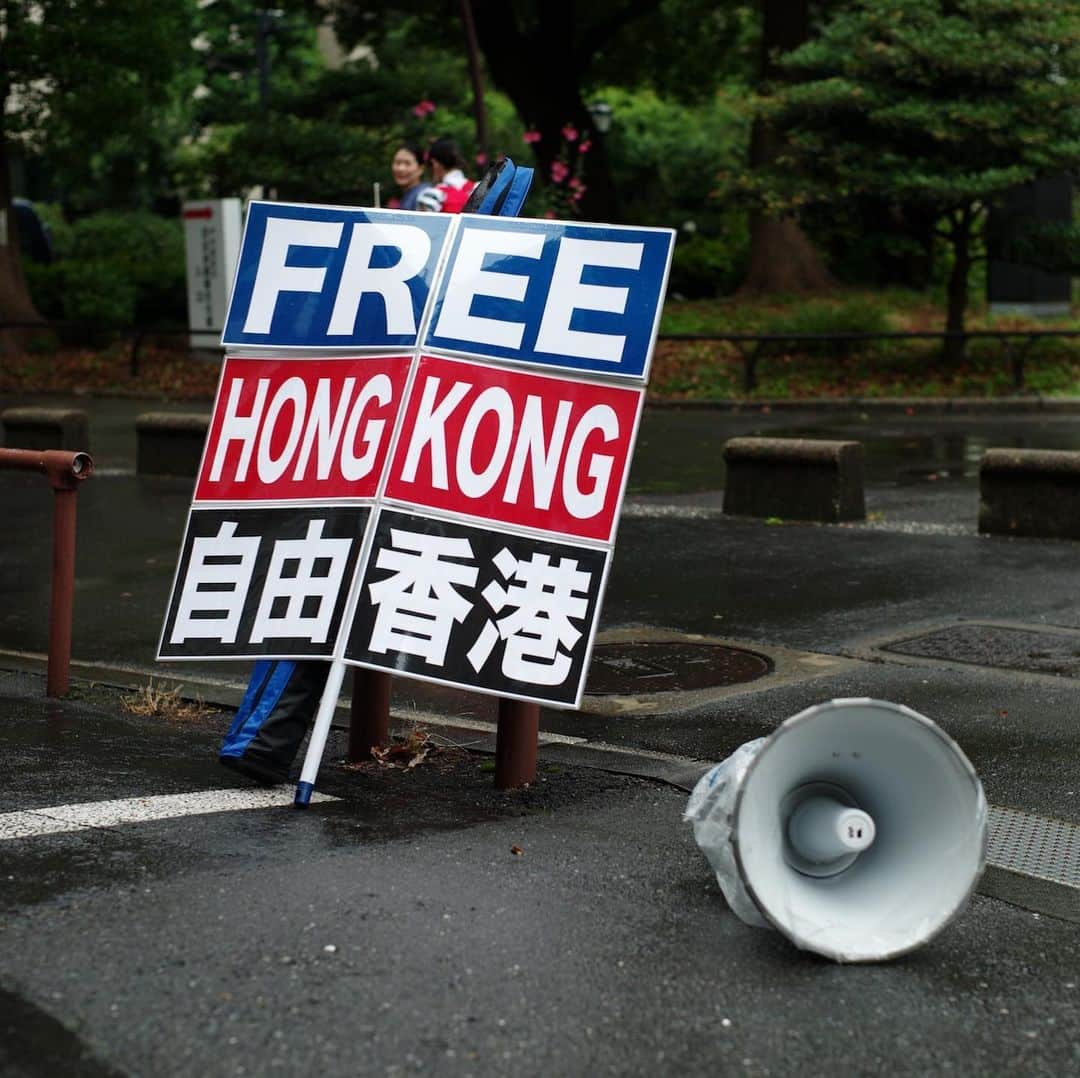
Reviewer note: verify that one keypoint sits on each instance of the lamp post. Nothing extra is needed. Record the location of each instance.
(265, 26)
(601, 113)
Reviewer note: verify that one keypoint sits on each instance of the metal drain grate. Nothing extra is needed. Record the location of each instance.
(1034, 846)
(1038, 651)
(670, 667)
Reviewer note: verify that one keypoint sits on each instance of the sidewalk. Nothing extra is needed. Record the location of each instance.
(603, 946)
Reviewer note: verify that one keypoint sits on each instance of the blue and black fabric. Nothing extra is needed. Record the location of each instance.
(273, 717)
(283, 695)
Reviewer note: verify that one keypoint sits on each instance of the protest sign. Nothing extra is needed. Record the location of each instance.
(420, 445)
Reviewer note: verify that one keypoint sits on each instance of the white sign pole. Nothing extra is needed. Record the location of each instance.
(320, 730)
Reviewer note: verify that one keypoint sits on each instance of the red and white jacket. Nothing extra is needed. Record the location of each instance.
(448, 196)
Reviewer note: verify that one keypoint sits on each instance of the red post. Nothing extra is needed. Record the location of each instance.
(516, 743)
(63, 592)
(64, 471)
(369, 716)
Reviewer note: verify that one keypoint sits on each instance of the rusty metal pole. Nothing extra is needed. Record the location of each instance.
(516, 743)
(369, 716)
(65, 471)
(63, 592)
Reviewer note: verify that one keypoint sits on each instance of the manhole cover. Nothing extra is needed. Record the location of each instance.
(1030, 650)
(672, 667)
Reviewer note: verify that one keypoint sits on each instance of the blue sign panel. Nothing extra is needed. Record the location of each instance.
(574, 296)
(332, 277)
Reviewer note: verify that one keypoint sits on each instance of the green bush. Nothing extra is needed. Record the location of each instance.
(705, 266)
(95, 297)
(860, 314)
(142, 250)
(668, 158)
(112, 270)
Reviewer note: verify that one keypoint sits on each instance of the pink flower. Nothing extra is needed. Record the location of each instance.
(576, 196)
(550, 213)
(575, 184)
(559, 171)
(531, 136)
(585, 147)
(569, 132)
(481, 159)
(423, 108)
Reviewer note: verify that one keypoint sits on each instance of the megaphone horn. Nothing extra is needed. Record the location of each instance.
(858, 829)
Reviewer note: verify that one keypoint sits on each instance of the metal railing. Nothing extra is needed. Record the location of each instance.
(137, 335)
(751, 347)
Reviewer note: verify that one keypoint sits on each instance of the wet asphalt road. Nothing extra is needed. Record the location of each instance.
(396, 930)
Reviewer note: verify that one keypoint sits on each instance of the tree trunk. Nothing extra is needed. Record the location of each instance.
(957, 289)
(541, 65)
(477, 79)
(782, 259)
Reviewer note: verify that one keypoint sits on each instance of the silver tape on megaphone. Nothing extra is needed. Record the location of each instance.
(858, 829)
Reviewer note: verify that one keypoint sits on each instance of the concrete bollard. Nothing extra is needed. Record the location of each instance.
(46, 428)
(794, 478)
(1032, 492)
(170, 443)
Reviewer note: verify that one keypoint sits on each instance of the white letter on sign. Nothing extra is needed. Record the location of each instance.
(239, 428)
(599, 417)
(274, 277)
(469, 279)
(568, 294)
(430, 427)
(353, 467)
(292, 391)
(359, 276)
(475, 484)
(543, 458)
(321, 428)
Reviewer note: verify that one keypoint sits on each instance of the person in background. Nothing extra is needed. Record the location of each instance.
(408, 169)
(452, 187)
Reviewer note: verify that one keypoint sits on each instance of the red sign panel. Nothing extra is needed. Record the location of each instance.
(312, 429)
(523, 449)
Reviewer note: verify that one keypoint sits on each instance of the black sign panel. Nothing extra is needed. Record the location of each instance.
(506, 614)
(254, 582)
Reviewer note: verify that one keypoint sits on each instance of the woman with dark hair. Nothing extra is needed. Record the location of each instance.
(452, 187)
(408, 169)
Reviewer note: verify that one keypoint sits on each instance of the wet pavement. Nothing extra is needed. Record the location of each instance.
(422, 921)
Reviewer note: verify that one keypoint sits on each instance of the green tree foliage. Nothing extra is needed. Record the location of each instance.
(933, 105)
(321, 127)
(665, 156)
(264, 114)
(91, 88)
(548, 57)
(86, 87)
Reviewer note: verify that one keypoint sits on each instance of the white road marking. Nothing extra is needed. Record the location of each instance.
(57, 819)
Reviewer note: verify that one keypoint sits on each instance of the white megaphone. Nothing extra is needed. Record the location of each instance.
(858, 829)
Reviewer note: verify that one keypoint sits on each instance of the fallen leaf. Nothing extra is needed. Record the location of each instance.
(517, 851)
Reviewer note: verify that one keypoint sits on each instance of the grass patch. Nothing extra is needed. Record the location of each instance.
(155, 702)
